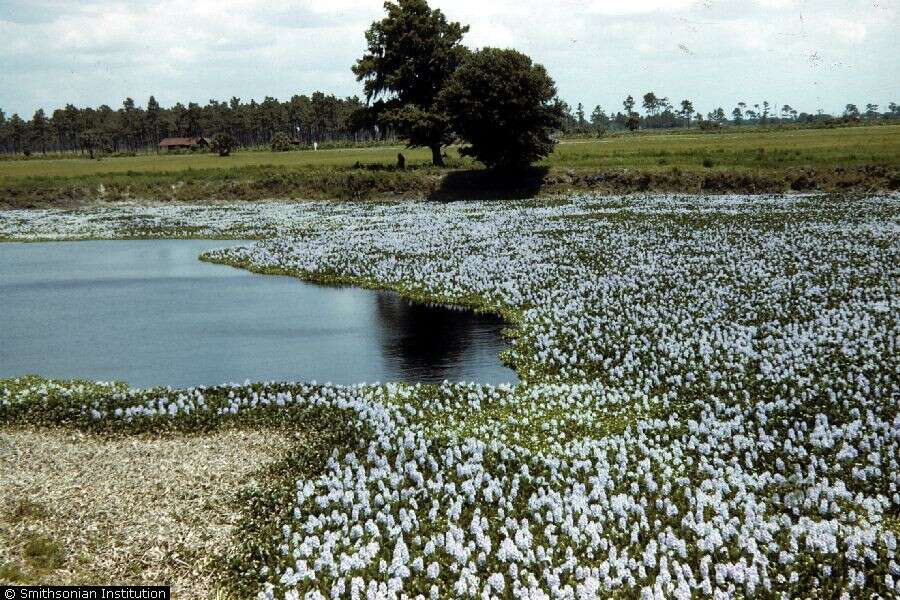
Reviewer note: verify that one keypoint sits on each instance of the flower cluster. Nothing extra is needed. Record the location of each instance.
(708, 403)
(153, 221)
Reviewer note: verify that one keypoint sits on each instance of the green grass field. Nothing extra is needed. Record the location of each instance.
(731, 161)
(691, 150)
(162, 163)
(748, 150)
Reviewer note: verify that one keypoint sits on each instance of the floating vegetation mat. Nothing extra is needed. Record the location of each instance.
(708, 405)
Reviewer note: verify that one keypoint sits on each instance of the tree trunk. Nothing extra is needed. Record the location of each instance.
(436, 158)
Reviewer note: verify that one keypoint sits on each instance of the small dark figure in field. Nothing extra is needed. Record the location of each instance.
(401, 161)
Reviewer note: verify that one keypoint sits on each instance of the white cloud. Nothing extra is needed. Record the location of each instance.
(618, 8)
(98, 51)
(777, 3)
(848, 31)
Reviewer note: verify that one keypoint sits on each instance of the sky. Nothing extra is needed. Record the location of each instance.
(810, 54)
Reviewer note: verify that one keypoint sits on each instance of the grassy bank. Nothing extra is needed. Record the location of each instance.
(861, 158)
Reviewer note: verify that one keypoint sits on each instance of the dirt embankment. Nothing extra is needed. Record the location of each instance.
(866, 178)
(81, 509)
(362, 184)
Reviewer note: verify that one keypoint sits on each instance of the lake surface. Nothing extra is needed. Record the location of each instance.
(150, 313)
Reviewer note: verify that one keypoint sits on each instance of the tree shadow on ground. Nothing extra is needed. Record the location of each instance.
(487, 184)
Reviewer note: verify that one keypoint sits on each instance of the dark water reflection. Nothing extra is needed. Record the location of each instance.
(428, 341)
(150, 313)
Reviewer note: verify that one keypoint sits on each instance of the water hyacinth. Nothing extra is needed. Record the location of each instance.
(708, 403)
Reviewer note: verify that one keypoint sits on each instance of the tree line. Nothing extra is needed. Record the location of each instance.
(661, 113)
(318, 117)
(304, 119)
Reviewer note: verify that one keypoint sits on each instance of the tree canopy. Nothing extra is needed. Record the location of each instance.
(411, 54)
(223, 143)
(504, 106)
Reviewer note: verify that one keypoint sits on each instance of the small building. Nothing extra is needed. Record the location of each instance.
(172, 143)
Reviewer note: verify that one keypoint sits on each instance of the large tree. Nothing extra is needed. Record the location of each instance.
(504, 106)
(687, 109)
(651, 103)
(411, 54)
(579, 114)
(152, 120)
(599, 119)
(17, 129)
(40, 127)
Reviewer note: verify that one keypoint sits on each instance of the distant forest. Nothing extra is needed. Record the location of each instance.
(325, 118)
(661, 113)
(130, 128)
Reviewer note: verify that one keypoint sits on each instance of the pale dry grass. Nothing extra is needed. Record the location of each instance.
(137, 510)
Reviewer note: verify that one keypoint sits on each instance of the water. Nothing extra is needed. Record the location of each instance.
(150, 313)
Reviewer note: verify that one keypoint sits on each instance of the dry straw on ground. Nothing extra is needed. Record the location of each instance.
(85, 509)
